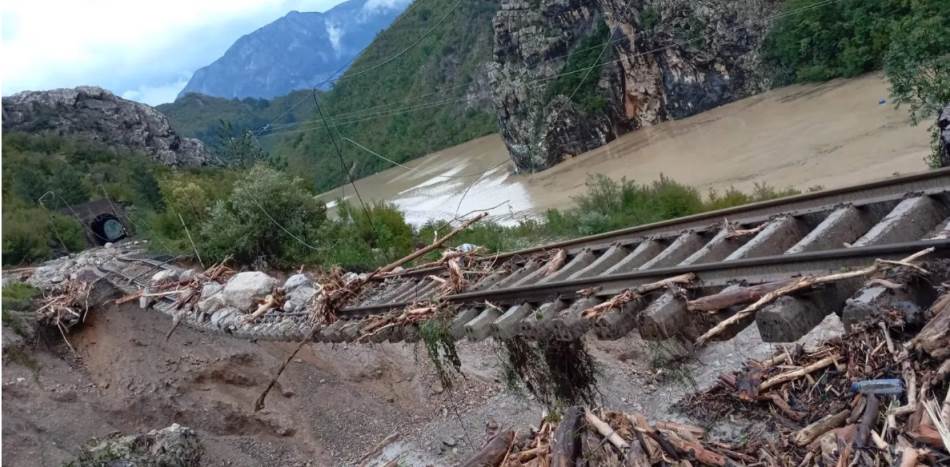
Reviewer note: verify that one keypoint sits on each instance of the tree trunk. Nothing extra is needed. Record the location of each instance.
(564, 445)
(493, 452)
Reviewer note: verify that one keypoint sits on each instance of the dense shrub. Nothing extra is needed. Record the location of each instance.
(268, 216)
(361, 239)
(33, 233)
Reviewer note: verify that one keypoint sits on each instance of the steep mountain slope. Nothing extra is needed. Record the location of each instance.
(200, 116)
(299, 50)
(422, 85)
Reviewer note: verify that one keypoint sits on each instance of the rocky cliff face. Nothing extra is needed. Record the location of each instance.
(571, 75)
(96, 114)
(298, 51)
(943, 139)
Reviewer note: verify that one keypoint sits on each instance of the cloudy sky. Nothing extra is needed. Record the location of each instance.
(141, 50)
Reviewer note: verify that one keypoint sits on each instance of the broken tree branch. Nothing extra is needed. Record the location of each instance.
(801, 283)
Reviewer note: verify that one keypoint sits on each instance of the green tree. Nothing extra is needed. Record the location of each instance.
(268, 216)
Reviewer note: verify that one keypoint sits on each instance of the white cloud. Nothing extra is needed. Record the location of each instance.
(154, 95)
(127, 46)
(334, 33)
(371, 5)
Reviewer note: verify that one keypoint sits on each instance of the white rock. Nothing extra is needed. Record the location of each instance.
(298, 298)
(295, 281)
(210, 289)
(187, 275)
(246, 288)
(165, 275)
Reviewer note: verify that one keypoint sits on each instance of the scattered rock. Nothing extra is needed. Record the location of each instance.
(298, 298)
(175, 445)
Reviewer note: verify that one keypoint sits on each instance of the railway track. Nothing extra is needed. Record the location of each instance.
(523, 293)
(543, 293)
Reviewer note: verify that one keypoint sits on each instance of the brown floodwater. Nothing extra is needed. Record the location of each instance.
(831, 134)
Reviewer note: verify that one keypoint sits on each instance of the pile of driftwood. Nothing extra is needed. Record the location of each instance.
(66, 307)
(877, 396)
(186, 291)
(603, 438)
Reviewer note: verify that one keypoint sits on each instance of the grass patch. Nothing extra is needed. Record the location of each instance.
(18, 296)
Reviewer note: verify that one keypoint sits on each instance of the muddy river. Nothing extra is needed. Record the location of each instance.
(832, 134)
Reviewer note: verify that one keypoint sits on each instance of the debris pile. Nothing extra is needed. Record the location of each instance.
(66, 306)
(583, 437)
(871, 397)
(876, 396)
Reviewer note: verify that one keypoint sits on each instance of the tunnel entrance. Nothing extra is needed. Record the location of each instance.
(103, 221)
(107, 228)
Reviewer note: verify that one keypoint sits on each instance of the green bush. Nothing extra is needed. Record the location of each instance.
(17, 296)
(268, 216)
(33, 234)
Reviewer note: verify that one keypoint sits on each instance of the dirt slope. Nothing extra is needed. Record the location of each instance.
(333, 405)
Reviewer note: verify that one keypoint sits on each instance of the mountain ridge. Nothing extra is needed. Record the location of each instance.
(300, 50)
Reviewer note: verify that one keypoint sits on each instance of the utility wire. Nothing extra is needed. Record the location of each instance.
(355, 116)
(339, 153)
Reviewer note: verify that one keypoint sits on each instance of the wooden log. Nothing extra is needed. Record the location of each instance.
(693, 449)
(795, 374)
(493, 452)
(423, 251)
(733, 296)
(871, 412)
(799, 284)
(934, 338)
(643, 429)
(596, 454)
(606, 431)
(811, 432)
(565, 446)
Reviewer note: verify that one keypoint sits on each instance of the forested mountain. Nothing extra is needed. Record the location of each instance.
(420, 86)
(298, 51)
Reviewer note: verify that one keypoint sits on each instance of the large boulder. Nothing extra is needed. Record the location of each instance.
(95, 114)
(174, 446)
(246, 288)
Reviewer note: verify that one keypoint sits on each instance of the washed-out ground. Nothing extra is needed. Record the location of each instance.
(831, 134)
(333, 404)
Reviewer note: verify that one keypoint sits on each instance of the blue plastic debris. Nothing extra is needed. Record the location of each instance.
(882, 102)
(878, 386)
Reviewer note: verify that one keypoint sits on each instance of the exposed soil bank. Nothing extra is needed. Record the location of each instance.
(830, 134)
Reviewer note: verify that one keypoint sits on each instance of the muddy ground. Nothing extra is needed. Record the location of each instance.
(334, 403)
(828, 135)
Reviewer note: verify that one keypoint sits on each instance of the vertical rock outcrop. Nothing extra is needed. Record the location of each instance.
(943, 138)
(571, 75)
